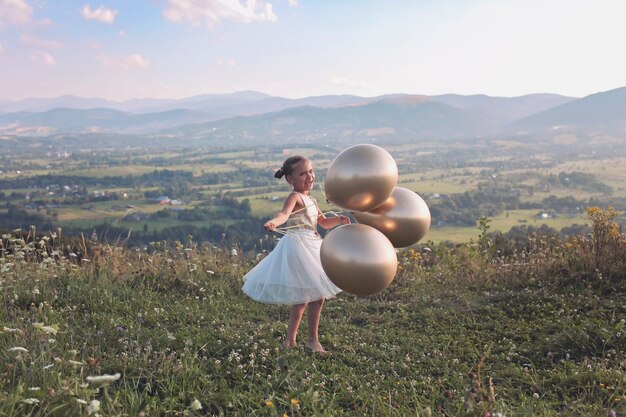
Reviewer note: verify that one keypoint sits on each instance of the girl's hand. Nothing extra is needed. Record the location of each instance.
(270, 226)
(344, 220)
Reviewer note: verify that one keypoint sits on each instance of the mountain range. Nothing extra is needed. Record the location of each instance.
(257, 116)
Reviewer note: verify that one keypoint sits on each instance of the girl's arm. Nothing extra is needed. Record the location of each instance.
(283, 215)
(330, 222)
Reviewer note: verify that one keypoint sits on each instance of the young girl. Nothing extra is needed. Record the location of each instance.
(292, 273)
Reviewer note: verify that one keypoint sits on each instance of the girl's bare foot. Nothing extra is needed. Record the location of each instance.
(315, 346)
(289, 345)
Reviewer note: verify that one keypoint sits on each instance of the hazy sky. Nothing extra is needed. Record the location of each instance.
(120, 49)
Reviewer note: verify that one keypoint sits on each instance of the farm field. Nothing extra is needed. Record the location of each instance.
(247, 175)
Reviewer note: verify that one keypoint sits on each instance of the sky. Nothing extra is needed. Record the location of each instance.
(123, 49)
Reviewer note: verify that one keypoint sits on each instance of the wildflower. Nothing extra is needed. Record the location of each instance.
(294, 402)
(195, 405)
(18, 349)
(94, 407)
(233, 252)
(34, 389)
(31, 401)
(9, 330)
(103, 379)
(46, 329)
(210, 272)
(269, 403)
(79, 401)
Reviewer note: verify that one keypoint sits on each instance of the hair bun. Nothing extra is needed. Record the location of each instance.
(279, 173)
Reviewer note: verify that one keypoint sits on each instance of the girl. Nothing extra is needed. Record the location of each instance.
(292, 273)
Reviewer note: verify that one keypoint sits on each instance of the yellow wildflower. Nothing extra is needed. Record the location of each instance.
(46, 329)
(196, 405)
(294, 402)
(269, 403)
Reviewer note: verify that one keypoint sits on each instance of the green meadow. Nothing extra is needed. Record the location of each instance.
(531, 328)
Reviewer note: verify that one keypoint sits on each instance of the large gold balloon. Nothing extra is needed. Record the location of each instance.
(358, 259)
(361, 177)
(404, 218)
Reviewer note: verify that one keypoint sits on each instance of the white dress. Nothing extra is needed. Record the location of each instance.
(292, 273)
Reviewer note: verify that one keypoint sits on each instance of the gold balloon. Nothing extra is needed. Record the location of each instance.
(358, 259)
(404, 218)
(361, 177)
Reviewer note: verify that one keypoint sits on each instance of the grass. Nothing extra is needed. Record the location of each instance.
(458, 333)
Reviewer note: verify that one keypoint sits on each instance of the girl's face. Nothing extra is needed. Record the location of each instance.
(303, 177)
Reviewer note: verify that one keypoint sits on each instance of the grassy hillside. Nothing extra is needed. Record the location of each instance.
(533, 327)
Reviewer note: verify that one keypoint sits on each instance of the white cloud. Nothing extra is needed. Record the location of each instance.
(101, 14)
(43, 58)
(1, 49)
(293, 3)
(210, 12)
(93, 44)
(14, 12)
(225, 62)
(125, 62)
(342, 81)
(34, 42)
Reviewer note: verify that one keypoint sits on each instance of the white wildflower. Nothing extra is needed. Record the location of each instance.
(210, 272)
(233, 252)
(10, 330)
(94, 407)
(195, 405)
(31, 401)
(34, 389)
(103, 379)
(18, 349)
(80, 401)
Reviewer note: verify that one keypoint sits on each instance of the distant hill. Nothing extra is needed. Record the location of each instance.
(498, 111)
(606, 110)
(250, 115)
(388, 118)
(64, 120)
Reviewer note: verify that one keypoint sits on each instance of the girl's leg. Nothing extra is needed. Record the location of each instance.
(315, 311)
(295, 315)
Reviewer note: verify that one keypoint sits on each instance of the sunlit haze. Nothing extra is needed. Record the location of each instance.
(117, 50)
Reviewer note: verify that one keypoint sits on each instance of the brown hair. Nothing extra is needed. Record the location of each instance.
(289, 165)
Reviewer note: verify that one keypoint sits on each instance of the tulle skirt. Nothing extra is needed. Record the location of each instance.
(292, 273)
